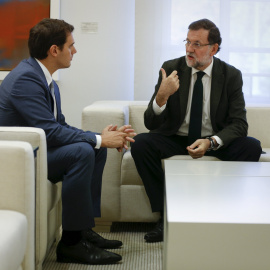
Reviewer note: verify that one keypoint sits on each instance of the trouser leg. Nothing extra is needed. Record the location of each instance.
(96, 182)
(241, 149)
(80, 168)
(147, 152)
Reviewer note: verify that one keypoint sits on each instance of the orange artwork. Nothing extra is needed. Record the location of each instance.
(17, 18)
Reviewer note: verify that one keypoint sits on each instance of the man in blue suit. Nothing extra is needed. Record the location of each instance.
(30, 97)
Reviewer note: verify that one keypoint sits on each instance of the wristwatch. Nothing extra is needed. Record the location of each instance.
(212, 144)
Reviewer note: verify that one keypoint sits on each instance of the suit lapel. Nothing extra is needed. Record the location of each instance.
(57, 99)
(216, 90)
(184, 77)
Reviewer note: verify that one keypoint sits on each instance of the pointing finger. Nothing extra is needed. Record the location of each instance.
(174, 73)
(163, 72)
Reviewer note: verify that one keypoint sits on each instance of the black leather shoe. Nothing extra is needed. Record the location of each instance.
(99, 241)
(156, 235)
(85, 253)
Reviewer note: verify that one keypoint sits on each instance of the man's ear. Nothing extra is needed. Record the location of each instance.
(214, 49)
(53, 50)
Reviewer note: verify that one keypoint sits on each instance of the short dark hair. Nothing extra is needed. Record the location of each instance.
(46, 33)
(214, 34)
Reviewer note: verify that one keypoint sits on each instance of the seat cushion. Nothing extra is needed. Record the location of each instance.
(265, 157)
(187, 157)
(129, 174)
(13, 239)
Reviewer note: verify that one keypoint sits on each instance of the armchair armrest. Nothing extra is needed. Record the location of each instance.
(36, 137)
(17, 188)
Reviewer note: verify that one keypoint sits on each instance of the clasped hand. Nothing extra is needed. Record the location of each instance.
(117, 138)
(198, 148)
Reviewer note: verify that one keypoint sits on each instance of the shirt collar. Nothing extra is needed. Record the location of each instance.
(46, 72)
(207, 71)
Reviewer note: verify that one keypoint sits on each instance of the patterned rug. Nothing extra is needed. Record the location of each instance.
(136, 253)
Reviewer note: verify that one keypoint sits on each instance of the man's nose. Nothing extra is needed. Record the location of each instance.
(189, 48)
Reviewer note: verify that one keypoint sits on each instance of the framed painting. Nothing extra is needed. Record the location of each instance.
(17, 18)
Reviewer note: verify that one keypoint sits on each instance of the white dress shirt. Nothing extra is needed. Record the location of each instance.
(207, 129)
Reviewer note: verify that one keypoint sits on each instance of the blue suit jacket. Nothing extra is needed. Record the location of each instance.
(25, 100)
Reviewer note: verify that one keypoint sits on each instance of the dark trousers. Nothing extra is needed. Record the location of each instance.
(79, 166)
(150, 148)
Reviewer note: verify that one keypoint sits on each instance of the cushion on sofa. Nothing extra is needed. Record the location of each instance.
(136, 118)
(265, 156)
(129, 174)
(13, 239)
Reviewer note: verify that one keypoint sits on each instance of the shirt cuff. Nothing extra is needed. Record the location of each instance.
(219, 141)
(99, 140)
(158, 110)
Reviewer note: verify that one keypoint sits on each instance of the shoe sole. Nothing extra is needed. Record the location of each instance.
(107, 247)
(69, 260)
(153, 241)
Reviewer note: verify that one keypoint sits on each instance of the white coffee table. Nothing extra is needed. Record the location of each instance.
(217, 215)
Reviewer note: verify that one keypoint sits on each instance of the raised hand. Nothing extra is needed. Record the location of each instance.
(169, 85)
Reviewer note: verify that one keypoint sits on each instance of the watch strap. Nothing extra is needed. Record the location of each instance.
(212, 144)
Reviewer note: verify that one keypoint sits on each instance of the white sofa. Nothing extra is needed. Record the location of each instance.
(48, 210)
(17, 211)
(123, 194)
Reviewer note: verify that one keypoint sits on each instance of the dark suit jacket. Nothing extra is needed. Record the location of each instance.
(25, 100)
(227, 105)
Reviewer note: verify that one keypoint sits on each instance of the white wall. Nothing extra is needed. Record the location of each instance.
(103, 68)
(150, 50)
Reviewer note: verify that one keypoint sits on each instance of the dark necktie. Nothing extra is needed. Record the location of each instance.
(195, 123)
(54, 101)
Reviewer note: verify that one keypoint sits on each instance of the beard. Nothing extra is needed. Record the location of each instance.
(194, 63)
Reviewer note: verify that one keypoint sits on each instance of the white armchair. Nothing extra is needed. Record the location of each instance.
(17, 201)
(47, 195)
